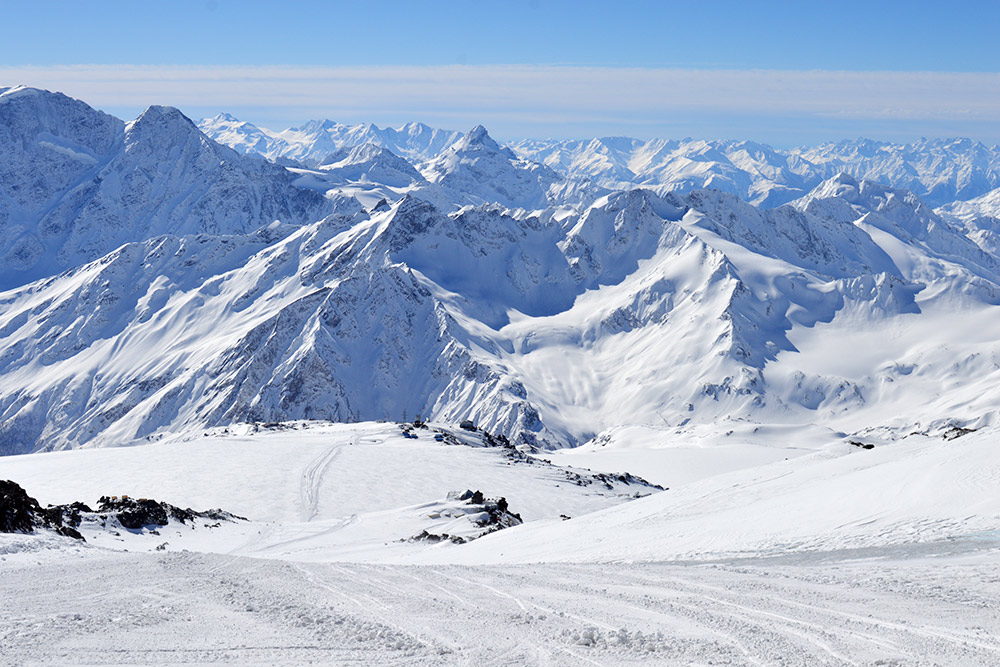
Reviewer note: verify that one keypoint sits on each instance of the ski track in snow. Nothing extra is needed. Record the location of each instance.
(312, 479)
(131, 608)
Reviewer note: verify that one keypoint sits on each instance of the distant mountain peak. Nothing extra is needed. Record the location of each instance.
(317, 125)
(158, 114)
(13, 90)
(477, 139)
(843, 178)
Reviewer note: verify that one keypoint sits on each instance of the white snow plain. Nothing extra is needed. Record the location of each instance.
(807, 551)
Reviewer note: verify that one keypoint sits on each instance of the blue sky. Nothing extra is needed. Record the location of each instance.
(820, 71)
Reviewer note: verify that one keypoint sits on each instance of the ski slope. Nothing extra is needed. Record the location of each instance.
(864, 608)
(836, 556)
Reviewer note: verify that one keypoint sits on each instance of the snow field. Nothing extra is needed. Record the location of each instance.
(918, 489)
(313, 492)
(853, 609)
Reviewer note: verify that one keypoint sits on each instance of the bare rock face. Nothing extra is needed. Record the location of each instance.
(18, 510)
(20, 513)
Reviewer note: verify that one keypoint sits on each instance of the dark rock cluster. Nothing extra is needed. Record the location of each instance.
(20, 513)
(138, 513)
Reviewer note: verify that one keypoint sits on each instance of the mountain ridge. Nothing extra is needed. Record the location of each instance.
(939, 170)
(480, 286)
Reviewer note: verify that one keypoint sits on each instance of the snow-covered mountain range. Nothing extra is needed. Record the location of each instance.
(939, 171)
(159, 281)
(313, 142)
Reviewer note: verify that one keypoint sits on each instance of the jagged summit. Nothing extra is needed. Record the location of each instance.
(162, 121)
(223, 116)
(477, 139)
(939, 170)
(318, 125)
(841, 185)
(312, 142)
(475, 169)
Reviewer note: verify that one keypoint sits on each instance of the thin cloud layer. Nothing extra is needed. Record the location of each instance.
(526, 95)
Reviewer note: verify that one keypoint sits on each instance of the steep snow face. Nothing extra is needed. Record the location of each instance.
(324, 323)
(313, 142)
(908, 230)
(979, 217)
(477, 293)
(78, 183)
(51, 148)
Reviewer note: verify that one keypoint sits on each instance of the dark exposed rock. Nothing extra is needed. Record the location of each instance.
(956, 432)
(609, 480)
(17, 509)
(20, 513)
(137, 513)
(424, 536)
(500, 515)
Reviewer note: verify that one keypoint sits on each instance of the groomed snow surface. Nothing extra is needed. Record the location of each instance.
(806, 550)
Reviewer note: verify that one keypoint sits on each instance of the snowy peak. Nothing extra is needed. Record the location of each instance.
(80, 183)
(656, 307)
(314, 141)
(361, 290)
(224, 117)
(477, 139)
(315, 127)
(843, 186)
(907, 220)
(239, 135)
(161, 128)
(477, 170)
(164, 116)
(370, 163)
(904, 209)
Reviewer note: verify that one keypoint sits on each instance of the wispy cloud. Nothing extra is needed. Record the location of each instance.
(543, 95)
